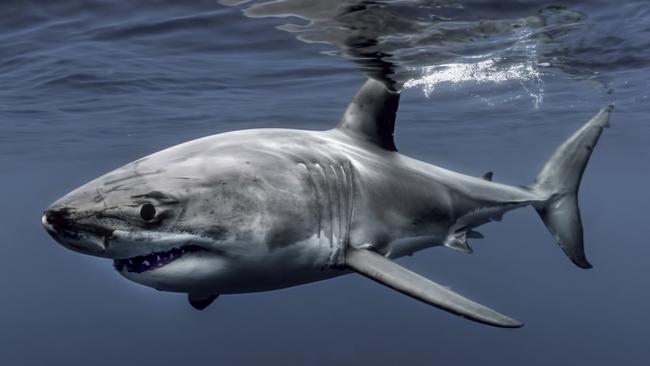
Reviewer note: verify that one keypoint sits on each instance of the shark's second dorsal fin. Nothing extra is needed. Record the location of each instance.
(370, 116)
(488, 176)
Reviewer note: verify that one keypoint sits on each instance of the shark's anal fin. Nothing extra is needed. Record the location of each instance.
(370, 116)
(383, 270)
(473, 234)
(201, 302)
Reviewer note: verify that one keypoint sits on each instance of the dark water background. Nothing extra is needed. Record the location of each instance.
(88, 86)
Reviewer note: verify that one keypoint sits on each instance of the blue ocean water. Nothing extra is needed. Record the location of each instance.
(487, 85)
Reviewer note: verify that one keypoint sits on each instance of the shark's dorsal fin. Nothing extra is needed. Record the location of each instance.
(378, 268)
(370, 116)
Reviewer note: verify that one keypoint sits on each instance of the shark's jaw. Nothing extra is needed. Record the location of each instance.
(154, 260)
(168, 261)
(187, 269)
(135, 252)
(155, 250)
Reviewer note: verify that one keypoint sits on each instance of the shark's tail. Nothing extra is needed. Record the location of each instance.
(558, 183)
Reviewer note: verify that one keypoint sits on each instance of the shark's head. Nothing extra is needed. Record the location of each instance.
(176, 220)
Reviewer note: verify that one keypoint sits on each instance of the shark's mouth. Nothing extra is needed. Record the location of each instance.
(154, 260)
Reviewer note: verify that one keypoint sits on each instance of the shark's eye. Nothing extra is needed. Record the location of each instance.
(147, 212)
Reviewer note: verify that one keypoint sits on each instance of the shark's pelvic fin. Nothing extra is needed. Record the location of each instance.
(370, 116)
(458, 241)
(383, 270)
(201, 302)
(558, 183)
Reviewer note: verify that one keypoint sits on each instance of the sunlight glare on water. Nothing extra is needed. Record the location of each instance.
(484, 69)
(481, 72)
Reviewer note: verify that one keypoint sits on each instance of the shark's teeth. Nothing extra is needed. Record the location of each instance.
(154, 260)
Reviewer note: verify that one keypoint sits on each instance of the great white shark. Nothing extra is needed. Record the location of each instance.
(264, 209)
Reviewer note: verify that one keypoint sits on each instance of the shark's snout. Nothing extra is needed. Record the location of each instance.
(56, 219)
(55, 222)
(60, 223)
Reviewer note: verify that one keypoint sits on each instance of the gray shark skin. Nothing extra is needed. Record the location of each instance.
(264, 209)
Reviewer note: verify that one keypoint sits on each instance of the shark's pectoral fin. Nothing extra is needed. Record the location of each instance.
(389, 273)
(201, 302)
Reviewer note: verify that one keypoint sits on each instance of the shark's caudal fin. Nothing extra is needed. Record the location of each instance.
(559, 181)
